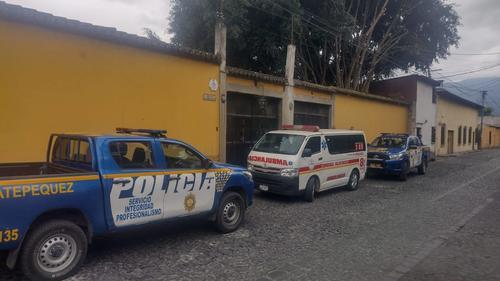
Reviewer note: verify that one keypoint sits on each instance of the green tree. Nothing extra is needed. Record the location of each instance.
(347, 43)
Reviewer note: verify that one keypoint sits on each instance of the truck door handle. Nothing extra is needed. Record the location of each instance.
(124, 181)
(321, 158)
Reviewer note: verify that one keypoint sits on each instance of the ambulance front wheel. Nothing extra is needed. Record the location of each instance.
(311, 188)
(231, 212)
(54, 250)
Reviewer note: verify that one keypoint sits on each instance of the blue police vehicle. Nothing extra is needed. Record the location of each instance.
(397, 154)
(93, 185)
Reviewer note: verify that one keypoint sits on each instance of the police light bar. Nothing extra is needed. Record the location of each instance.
(309, 128)
(152, 133)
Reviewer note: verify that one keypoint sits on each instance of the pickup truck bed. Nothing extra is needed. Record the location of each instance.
(17, 170)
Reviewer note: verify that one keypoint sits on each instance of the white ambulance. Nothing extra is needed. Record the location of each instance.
(304, 160)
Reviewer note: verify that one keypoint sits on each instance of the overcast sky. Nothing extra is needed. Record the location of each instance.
(480, 30)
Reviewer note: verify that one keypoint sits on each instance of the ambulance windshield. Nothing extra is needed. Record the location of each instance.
(280, 144)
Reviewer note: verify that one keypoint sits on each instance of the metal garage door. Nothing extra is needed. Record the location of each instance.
(248, 118)
(306, 113)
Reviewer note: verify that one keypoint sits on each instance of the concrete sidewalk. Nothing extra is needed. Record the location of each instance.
(471, 253)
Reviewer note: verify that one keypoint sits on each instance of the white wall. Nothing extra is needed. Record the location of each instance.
(426, 112)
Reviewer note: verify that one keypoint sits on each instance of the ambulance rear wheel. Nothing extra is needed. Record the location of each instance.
(231, 212)
(54, 250)
(311, 187)
(353, 180)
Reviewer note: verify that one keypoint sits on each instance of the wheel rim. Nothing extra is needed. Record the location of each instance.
(231, 213)
(314, 187)
(57, 253)
(354, 180)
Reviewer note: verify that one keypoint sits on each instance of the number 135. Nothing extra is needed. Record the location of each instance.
(9, 235)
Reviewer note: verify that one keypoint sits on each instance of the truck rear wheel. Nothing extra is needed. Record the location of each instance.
(231, 212)
(54, 250)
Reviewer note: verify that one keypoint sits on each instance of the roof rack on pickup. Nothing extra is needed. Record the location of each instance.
(309, 128)
(150, 132)
(396, 134)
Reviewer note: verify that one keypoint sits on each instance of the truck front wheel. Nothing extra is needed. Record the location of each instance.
(403, 176)
(231, 212)
(54, 250)
(422, 169)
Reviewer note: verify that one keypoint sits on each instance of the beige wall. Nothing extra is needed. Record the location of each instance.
(495, 137)
(452, 116)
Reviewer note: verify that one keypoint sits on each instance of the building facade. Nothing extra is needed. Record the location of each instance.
(419, 92)
(64, 76)
(491, 132)
(457, 120)
(254, 106)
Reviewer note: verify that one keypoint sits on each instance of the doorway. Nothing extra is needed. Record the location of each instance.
(450, 141)
(248, 118)
(306, 113)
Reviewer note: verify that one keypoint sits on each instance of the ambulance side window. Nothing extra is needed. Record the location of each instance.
(181, 157)
(341, 144)
(314, 143)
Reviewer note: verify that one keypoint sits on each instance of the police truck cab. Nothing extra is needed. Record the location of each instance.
(304, 160)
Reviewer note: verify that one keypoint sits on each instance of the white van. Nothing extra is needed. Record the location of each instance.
(303, 160)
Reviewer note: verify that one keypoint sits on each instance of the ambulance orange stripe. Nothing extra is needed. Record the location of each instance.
(328, 166)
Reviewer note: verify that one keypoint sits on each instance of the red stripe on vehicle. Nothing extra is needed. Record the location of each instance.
(303, 169)
(335, 177)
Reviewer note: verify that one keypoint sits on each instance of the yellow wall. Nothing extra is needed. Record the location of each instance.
(452, 115)
(495, 137)
(373, 117)
(57, 82)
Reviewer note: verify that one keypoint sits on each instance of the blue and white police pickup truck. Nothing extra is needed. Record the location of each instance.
(93, 185)
(397, 154)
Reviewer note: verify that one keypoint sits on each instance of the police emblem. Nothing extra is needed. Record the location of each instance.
(189, 202)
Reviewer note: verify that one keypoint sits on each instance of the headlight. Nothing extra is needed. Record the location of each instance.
(248, 175)
(398, 156)
(289, 172)
(250, 167)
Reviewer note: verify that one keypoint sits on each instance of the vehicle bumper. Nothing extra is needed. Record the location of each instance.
(390, 167)
(277, 183)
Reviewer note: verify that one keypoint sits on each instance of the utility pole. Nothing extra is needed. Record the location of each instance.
(483, 97)
(220, 51)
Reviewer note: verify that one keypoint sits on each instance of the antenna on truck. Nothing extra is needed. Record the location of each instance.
(149, 132)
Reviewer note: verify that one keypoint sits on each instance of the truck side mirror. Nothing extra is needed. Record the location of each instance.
(206, 163)
(307, 153)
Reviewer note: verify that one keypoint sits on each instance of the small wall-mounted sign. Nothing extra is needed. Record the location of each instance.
(209, 97)
(213, 84)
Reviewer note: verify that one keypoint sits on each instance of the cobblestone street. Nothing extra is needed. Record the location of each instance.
(386, 230)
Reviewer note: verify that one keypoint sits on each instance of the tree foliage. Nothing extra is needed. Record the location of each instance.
(347, 43)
